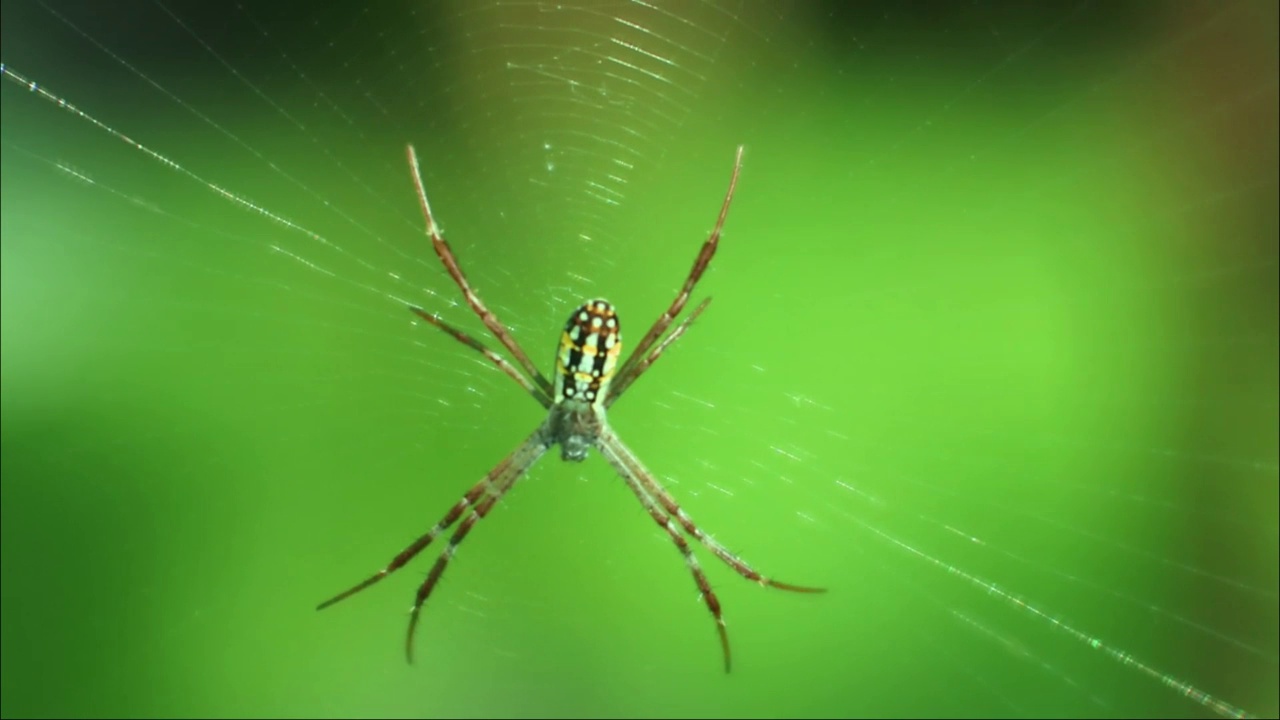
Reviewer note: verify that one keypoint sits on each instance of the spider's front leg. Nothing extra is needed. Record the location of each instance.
(655, 499)
(480, 499)
(609, 448)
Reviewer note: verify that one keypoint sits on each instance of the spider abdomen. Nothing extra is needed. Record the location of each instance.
(589, 350)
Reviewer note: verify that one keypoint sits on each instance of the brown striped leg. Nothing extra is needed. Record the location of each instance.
(699, 266)
(521, 460)
(609, 450)
(617, 388)
(486, 484)
(655, 488)
(493, 357)
(455, 271)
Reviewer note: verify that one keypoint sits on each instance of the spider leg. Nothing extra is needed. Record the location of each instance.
(631, 367)
(651, 486)
(619, 463)
(493, 357)
(445, 252)
(512, 469)
(468, 500)
(617, 388)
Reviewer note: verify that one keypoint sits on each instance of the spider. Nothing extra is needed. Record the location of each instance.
(587, 381)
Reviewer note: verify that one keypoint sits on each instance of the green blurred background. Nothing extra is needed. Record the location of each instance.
(993, 356)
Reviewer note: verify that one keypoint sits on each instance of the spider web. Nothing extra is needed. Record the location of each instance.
(992, 355)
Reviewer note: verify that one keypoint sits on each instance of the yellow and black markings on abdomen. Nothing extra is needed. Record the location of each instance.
(589, 349)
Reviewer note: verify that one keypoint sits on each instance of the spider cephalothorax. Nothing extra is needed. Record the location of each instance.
(587, 381)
